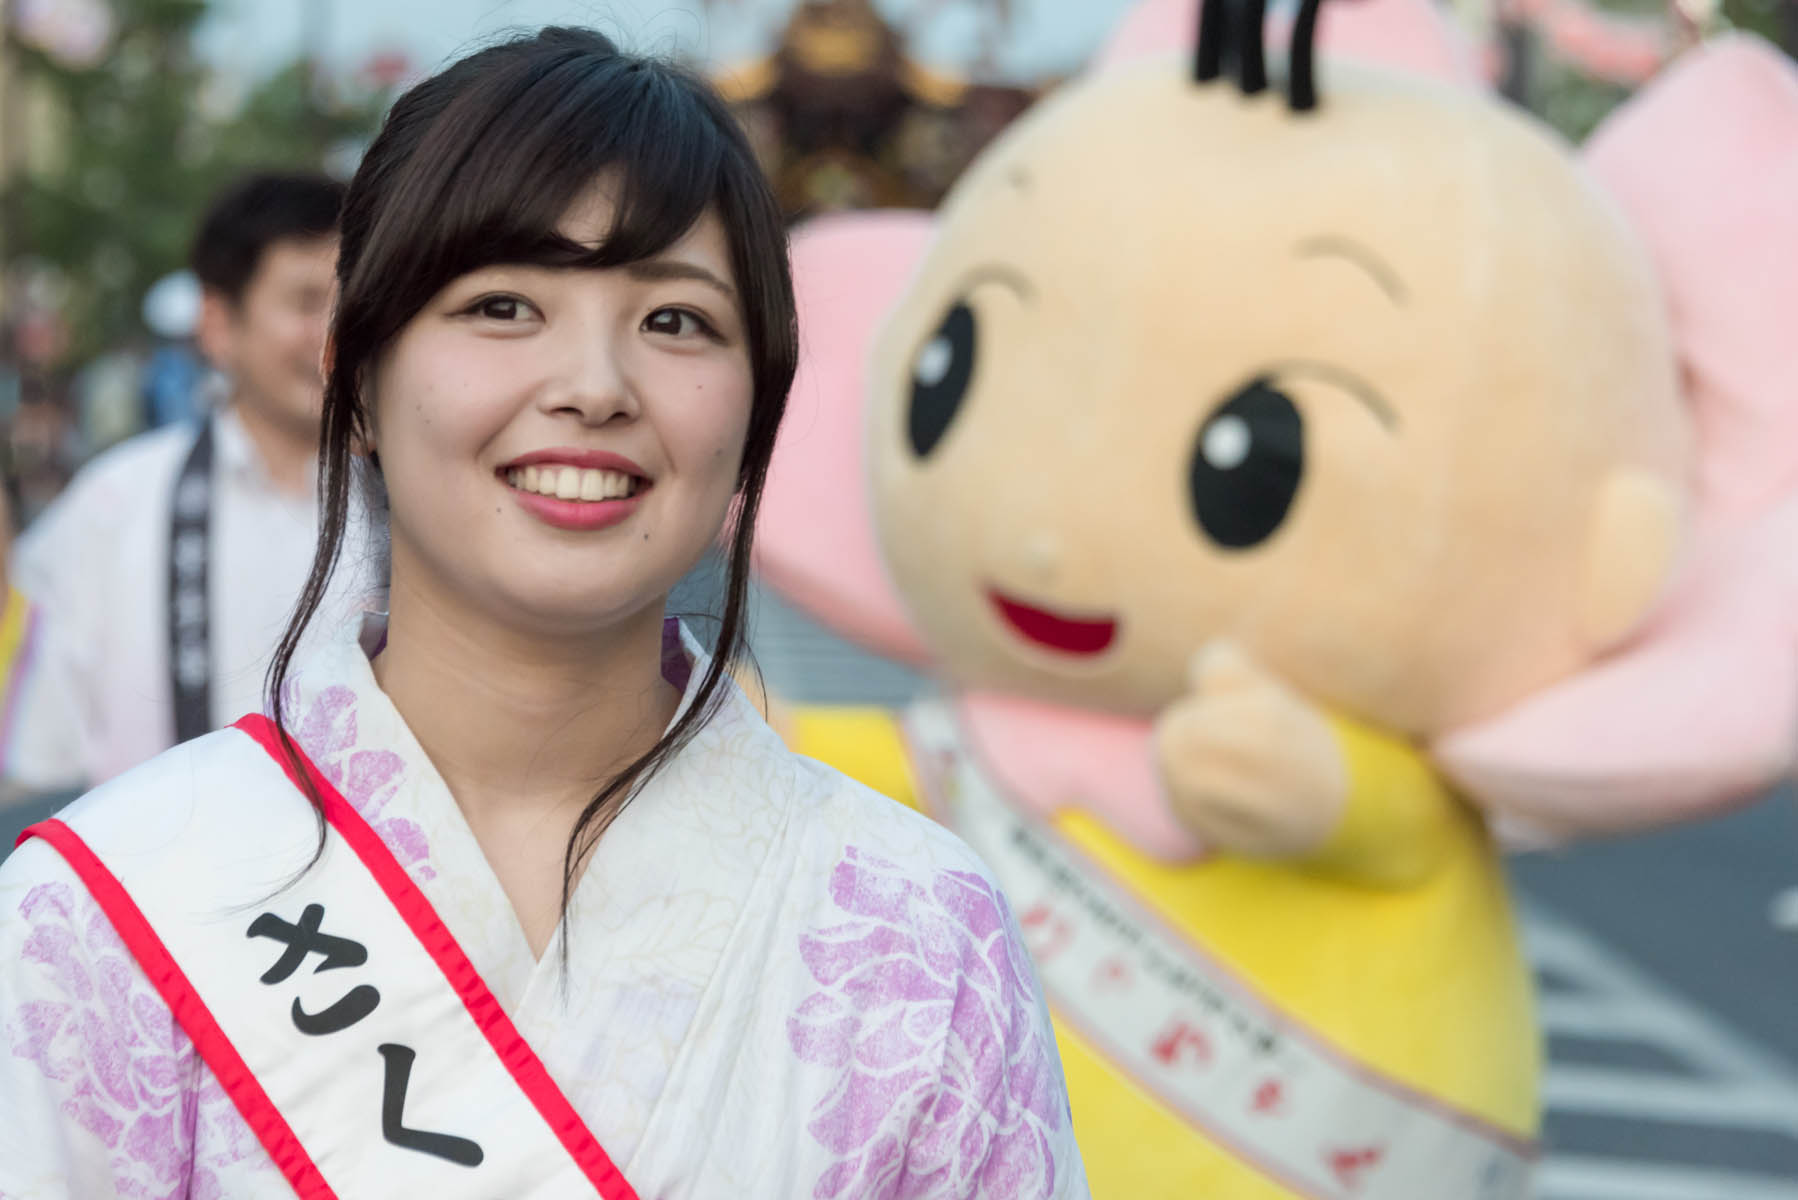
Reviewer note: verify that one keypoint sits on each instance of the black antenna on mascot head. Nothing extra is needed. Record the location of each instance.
(1216, 25)
(1301, 81)
(1251, 57)
(1231, 33)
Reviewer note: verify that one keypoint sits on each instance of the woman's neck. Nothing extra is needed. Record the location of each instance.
(523, 727)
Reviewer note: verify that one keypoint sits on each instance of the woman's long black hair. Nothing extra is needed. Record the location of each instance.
(476, 166)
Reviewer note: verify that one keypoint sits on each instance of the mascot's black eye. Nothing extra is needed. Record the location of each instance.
(1247, 465)
(939, 379)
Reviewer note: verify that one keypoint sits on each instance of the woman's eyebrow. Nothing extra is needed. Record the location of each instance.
(675, 268)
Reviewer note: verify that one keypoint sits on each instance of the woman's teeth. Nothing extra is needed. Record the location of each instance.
(572, 483)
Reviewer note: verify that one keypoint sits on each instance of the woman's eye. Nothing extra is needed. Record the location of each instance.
(676, 322)
(500, 308)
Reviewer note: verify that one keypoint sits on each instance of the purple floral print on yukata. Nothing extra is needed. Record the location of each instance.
(120, 1066)
(926, 1007)
(368, 779)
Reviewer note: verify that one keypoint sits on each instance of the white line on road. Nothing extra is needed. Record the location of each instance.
(1561, 1178)
(1628, 1003)
(1782, 910)
(1657, 1097)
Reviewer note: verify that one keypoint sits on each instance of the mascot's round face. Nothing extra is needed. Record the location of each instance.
(1380, 391)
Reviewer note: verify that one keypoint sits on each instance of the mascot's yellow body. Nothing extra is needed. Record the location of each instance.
(1225, 452)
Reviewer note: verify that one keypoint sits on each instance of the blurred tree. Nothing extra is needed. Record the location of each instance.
(124, 156)
(1775, 20)
(1565, 43)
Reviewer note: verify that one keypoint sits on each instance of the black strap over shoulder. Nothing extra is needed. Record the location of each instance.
(190, 558)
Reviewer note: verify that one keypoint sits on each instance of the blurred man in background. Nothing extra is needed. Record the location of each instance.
(142, 607)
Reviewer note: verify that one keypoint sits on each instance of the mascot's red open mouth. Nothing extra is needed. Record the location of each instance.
(1065, 634)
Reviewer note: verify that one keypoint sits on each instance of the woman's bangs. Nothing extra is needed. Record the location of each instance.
(506, 201)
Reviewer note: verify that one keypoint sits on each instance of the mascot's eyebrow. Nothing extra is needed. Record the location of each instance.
(1330, 246)
(1010, 277)
(1348, 381)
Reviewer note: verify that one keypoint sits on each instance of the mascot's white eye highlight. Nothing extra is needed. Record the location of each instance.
(933, 362)
(940, 374)
(1227, 442)
(1246, 466)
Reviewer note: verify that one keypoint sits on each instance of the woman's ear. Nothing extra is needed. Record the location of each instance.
(362, 445)
(1636, 526)
(362, 436)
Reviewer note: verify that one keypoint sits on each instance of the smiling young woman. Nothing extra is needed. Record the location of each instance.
(572, 920)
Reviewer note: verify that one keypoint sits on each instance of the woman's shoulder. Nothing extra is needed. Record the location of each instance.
(842, 808)
(103, 1089)
(41, 883)
(155, 802)
(875, 864)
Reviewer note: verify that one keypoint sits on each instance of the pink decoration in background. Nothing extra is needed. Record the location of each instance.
(1702, 707)
(1612, 46)
(816, 537)
(76, 33)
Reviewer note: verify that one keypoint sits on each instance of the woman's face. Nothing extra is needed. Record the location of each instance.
(560, 446)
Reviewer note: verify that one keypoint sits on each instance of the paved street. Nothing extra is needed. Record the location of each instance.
(1650, 1096)
(1670, 1003)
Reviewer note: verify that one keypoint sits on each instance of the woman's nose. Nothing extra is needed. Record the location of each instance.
(591, 383)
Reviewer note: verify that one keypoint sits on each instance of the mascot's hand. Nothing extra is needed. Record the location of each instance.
(1251, 767)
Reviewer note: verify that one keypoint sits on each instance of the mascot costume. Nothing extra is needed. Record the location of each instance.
(1286, 468)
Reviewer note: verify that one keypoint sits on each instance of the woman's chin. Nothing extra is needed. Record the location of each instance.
(577, 613)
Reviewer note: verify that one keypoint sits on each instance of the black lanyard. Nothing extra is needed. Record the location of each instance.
(190, 554)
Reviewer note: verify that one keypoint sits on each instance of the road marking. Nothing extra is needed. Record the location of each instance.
(1733, 1084)
(1565, 1178)
(1653, 1096)
(1618, 999)
(1783, 911)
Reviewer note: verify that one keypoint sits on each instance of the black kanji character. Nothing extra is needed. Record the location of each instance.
(460, 1151)
(340, 1016)
(304, 939)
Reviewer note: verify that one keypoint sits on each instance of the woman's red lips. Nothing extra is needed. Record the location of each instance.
(577, 514)
(1068, 635)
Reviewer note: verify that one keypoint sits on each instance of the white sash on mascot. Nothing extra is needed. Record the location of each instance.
(1191, 1033)
(338, 1013)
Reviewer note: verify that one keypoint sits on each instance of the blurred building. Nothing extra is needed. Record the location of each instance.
(843, 116)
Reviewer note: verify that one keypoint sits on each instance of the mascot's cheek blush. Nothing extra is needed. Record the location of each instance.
(1063, 634)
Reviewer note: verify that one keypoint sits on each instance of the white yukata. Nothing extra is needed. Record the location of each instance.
(781, 985)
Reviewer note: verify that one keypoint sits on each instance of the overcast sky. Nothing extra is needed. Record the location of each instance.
(1049, 36)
